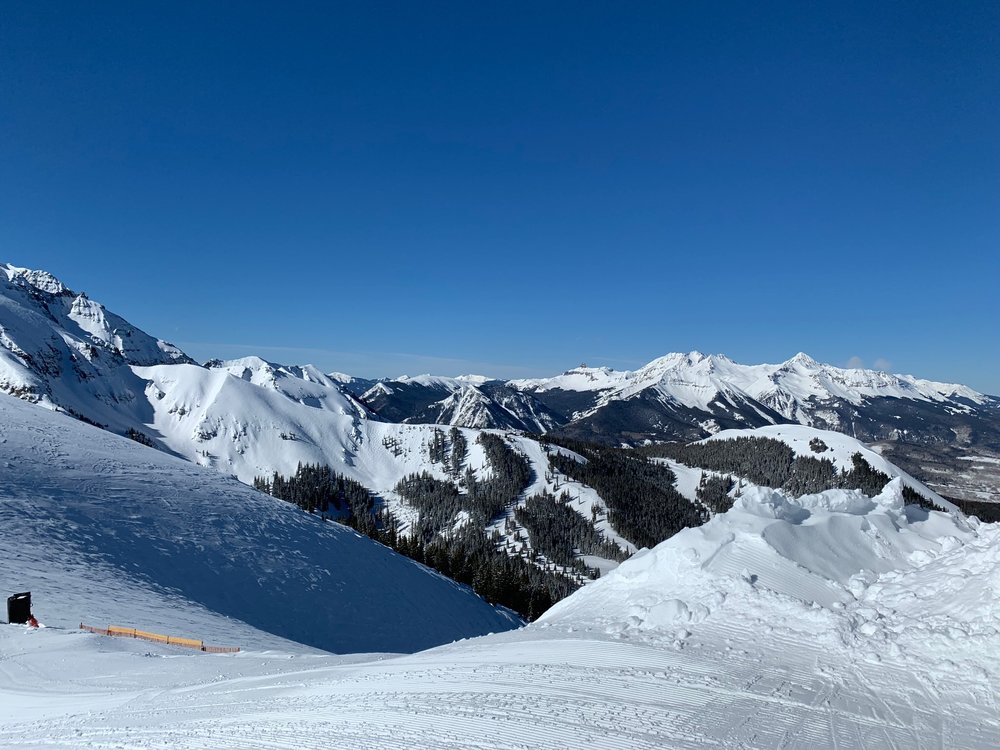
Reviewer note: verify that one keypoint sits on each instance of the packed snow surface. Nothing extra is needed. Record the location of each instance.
(86, 517)
(830, 621)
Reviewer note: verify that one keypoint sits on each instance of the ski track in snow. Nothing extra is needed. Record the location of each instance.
(542, 688)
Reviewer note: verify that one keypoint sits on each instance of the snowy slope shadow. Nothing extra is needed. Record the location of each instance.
(119, 516)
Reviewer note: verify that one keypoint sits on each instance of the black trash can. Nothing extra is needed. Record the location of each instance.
(19, 608)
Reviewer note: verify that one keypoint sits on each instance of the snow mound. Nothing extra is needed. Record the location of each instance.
(104, 530)
(837, 562)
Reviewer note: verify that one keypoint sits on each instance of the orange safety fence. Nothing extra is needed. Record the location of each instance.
(170, 640)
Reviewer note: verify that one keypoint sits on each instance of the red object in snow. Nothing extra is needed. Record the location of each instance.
(32, 622)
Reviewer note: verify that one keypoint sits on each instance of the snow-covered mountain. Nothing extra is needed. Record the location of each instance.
(305, 384)
(61, 349)
(827, 620)
(104, 530)
(245, 418)
(693, 393)
(466, 401)
(690, 396)
(695, 379)
(251, 417)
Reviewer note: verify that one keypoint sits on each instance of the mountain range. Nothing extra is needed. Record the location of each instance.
(63, 350)
(946, 434)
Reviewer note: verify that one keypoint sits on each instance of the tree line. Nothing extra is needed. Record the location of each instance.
(470, 557)
(713, 491)
(319, 489)
(463, 551)
(450, 451)
(560, 533)
(772, 463)
(439, 500)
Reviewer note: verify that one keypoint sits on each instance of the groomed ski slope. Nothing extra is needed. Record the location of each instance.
(831, 621)
(87, 519)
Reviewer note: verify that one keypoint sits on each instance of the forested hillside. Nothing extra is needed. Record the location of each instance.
(525, 541)
(643, 503)
(449, 535)
(768, 462)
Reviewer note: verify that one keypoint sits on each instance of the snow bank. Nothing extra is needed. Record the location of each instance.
(827, 563)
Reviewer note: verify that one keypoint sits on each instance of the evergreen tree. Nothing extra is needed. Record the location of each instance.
(643, 503)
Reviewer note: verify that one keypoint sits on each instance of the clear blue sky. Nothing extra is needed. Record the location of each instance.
(515, 188)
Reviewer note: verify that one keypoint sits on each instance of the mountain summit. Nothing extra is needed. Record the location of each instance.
(64, 350)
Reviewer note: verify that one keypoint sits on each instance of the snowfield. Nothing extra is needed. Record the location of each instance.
(831, 621)
(87, 519)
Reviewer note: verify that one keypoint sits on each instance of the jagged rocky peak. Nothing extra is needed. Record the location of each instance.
(88, 321)
(41, 280)
(379, 388)
(803, 359)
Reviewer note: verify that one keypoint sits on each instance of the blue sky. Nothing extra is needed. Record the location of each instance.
(515, 188)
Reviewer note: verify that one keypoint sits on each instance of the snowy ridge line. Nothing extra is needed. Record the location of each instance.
(695, 380)
(170, 640)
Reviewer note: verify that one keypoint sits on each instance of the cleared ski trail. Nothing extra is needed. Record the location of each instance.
(538, 688)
